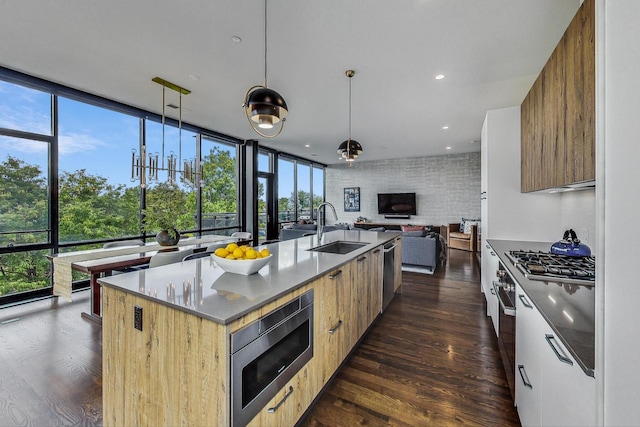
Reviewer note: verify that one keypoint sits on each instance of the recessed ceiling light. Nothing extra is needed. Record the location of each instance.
(236, 39)
(445, 127)
(439, 76)
(448, 148)
(194, 77)
(307, 145)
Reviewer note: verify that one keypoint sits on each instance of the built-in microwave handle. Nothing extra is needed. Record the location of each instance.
(336, 274)
(286, 396)
(524, 301)
(335, 328)
(524, 376)
(561, 357)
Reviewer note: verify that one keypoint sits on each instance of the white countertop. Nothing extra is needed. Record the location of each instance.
(201, 287)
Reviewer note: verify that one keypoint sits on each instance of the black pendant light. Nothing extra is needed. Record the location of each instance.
(265, 107)
(350, 149)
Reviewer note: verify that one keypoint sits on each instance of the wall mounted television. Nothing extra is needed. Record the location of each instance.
(397, 205)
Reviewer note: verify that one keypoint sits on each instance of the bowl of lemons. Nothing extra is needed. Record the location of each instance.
(243, 260)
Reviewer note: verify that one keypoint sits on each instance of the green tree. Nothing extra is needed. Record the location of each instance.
(90, 208)
(23, 199)
(23, 207)
(219, 182)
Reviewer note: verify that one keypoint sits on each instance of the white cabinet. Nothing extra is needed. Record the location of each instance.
(551, 389)
(568, 394)
(489, 267)
(527, 366)
(506, 212)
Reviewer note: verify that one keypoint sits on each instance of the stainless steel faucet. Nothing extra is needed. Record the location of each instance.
(320, 225)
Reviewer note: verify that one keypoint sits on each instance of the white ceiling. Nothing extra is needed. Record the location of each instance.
(490, 51)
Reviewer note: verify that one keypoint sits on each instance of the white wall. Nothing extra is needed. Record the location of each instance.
(618, 154)
(447, 187)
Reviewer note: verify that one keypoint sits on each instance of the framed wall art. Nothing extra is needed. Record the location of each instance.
(352, 199)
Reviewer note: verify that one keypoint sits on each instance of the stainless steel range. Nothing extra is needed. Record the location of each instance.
(559, 268)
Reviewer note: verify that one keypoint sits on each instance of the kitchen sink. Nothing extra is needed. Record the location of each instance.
(339, 247)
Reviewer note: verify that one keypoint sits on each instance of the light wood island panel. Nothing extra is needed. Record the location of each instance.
(176, 371)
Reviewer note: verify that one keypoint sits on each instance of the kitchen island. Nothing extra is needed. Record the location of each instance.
(166, 330)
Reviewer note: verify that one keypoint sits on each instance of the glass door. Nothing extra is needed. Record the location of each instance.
(267, 221)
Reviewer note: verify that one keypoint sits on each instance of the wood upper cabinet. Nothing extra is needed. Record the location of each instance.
(558, 113)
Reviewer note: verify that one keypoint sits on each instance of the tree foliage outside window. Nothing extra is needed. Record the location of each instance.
(89, 209)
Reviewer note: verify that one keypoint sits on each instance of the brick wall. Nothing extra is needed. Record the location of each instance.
(447, 187)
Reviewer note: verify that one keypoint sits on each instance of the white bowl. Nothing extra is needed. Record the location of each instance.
(241, 266)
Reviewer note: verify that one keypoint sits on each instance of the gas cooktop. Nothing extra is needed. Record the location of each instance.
(558, 268)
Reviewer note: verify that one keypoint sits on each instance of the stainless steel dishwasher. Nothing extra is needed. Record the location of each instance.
(388, 273)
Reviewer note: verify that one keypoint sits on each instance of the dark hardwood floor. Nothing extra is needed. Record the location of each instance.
(431, 359)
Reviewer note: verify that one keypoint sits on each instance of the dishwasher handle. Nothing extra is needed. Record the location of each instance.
(390, 248)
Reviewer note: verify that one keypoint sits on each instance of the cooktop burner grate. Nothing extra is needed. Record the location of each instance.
(552, 267)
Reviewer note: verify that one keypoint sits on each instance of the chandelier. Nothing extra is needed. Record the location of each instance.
(145, 166)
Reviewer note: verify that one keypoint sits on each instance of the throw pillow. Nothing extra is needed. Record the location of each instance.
(413, 227)
(465, 225)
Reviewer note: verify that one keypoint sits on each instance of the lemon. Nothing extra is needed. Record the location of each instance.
(258, 254)
(230, 256)
(265, 252)
(238, 253)
(221, 252)
(244, 248)
(231, 247)
(251, 254)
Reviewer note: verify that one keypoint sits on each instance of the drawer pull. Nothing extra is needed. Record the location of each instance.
(286, 396)
(335, 328)
(561, 357)
(524, 301)
(364, 258)
(336, 274)
(524, 376)
(377, 251)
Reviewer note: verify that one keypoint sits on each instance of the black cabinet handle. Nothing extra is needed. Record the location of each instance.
(377, 251)
(524, 376)
(336, 274)
(362, 259)
(561, 357)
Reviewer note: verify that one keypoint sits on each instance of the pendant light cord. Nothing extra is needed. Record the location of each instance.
(265, 43)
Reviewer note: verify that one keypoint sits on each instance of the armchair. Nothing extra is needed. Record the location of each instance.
(457, 239)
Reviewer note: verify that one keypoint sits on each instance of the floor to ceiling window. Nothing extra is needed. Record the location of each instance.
(97, 199)
(68, 181)
(219, 186)
(286, 190)
(26, 135)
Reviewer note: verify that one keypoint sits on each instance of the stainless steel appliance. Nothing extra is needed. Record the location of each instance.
(266, 354)
(555, 268)
(388, 273)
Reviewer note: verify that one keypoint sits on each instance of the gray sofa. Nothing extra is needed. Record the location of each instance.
(298, 230)
(420, 249)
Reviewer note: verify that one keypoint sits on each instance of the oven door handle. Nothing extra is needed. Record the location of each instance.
(508, 310)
